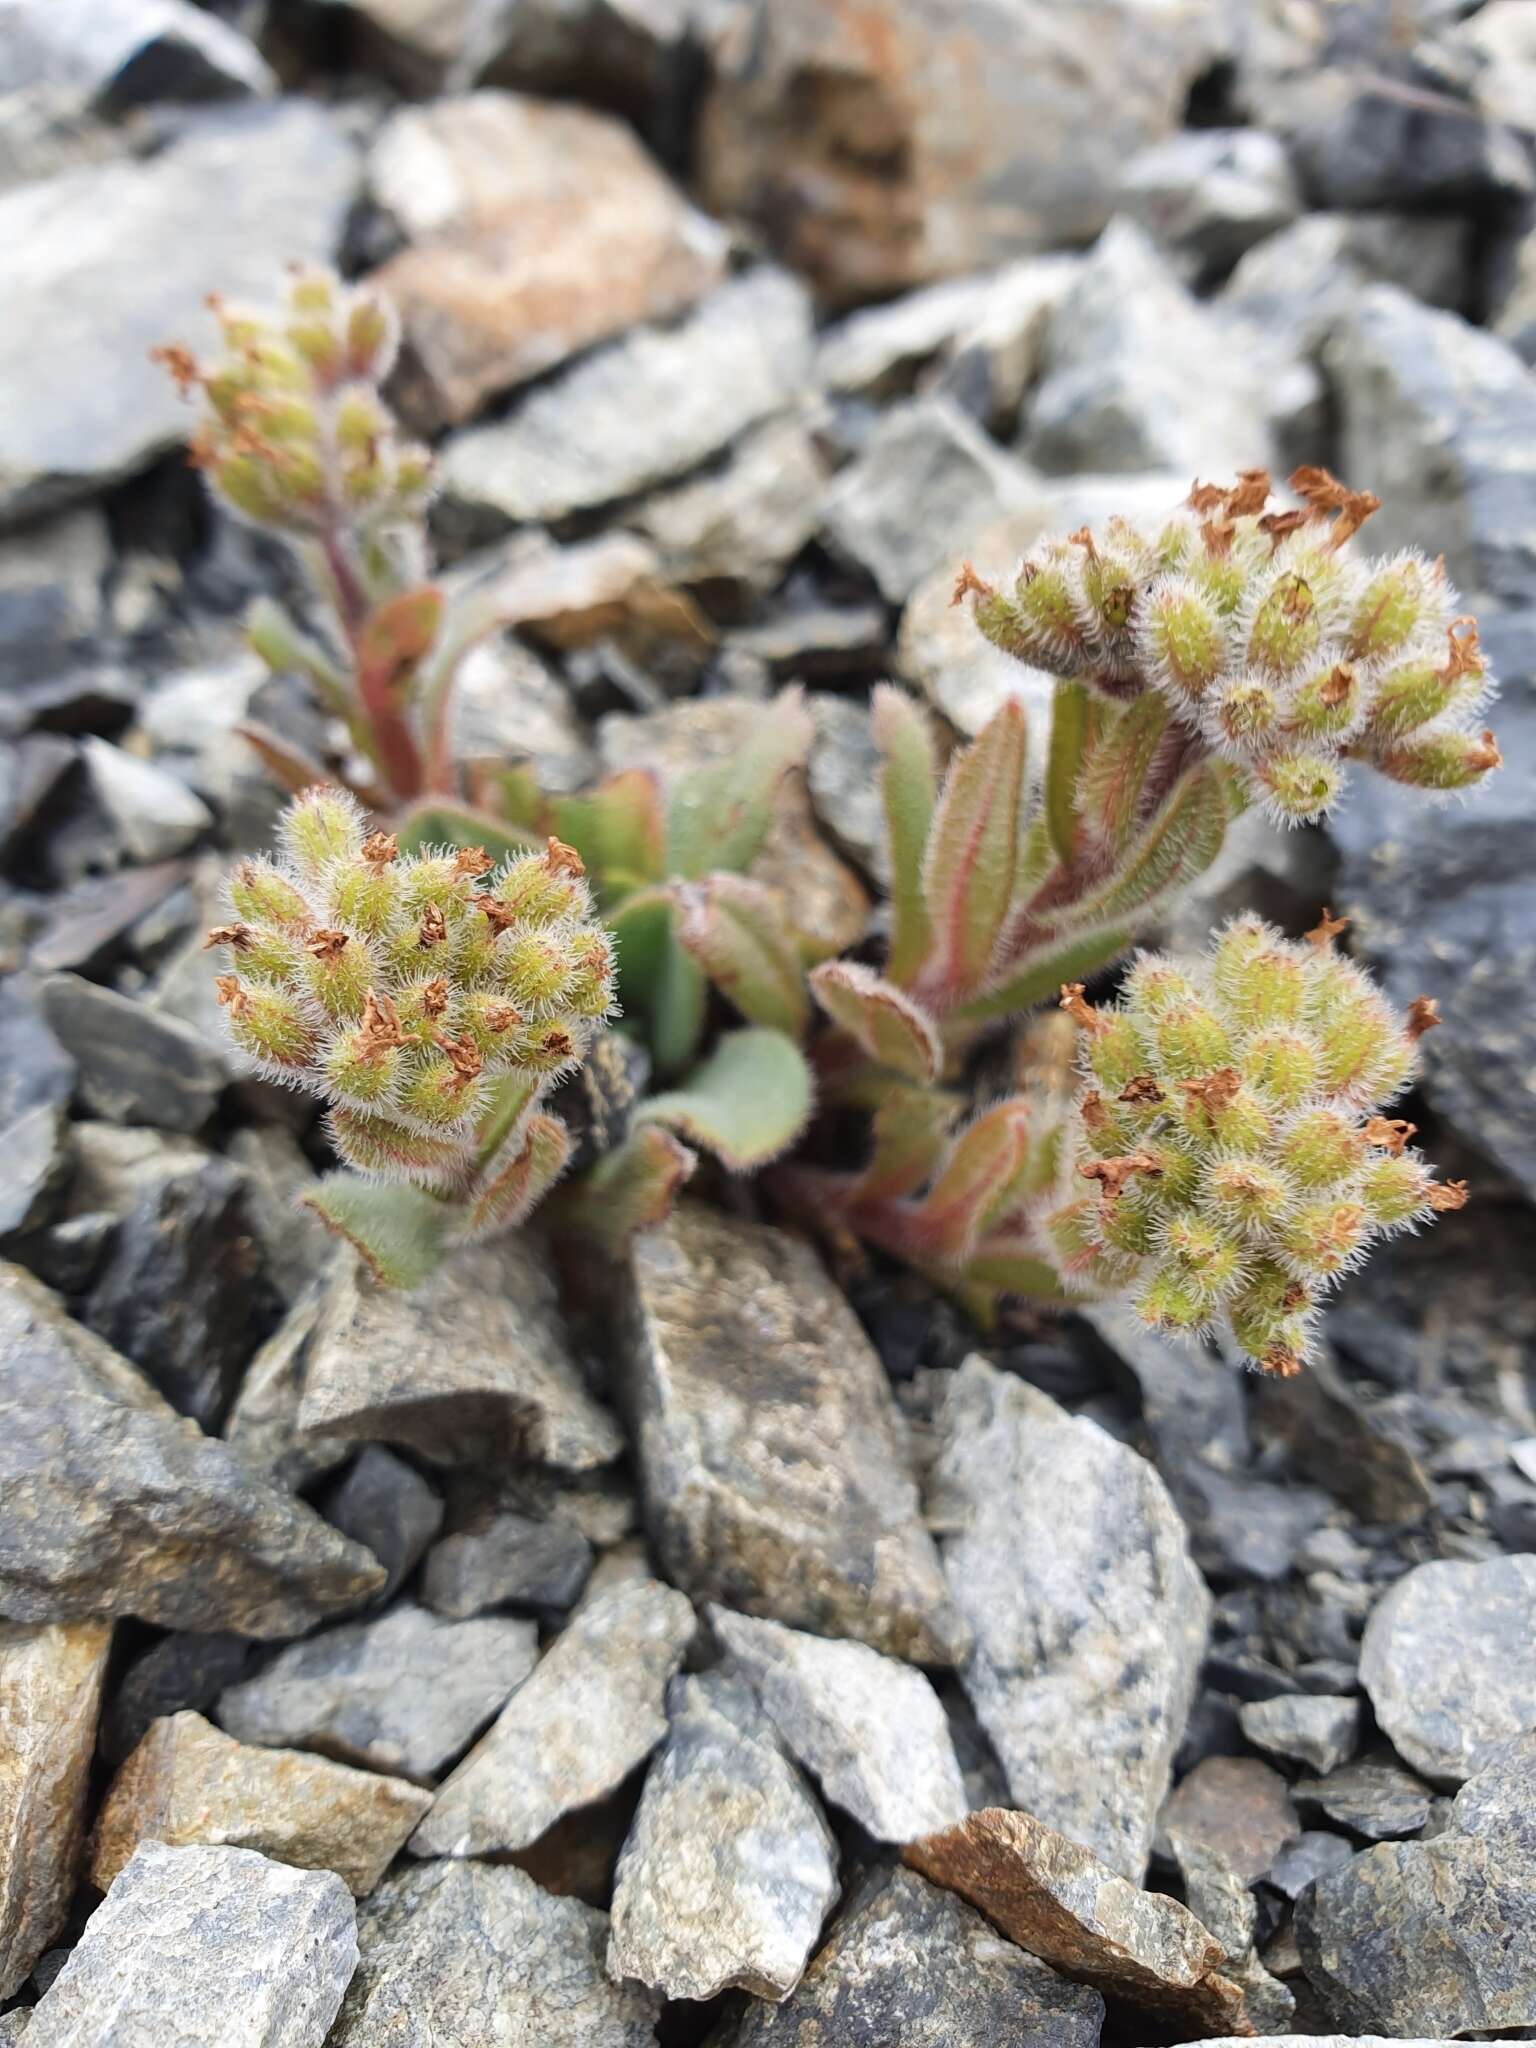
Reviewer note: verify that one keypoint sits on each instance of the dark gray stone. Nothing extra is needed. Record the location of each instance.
(149, 813)
(110, 55)
(772, 1473)
(1315, 1853)
(388, 1507)
(1210, 193)
(730, 1866)
(1072, 1567)
(506, 1558)
(1449, 1662)
(89, 1458)
(223, 208)
(35, 1070)
(1235, 1808)
(135, 1066)
(404, 1693)
(35, 1147)
(1317, 1729)
(1374, 1796)
(460, 1954)
(909, 1963)
(295, 1245)
(241, 1950)
(263, 1424)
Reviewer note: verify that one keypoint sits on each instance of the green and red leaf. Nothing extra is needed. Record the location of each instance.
(887, 1024)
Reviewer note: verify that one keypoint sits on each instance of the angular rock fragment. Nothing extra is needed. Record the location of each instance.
(404, 1693)
(591, 1711)
(1072, 1567)
(185, 1670)
(462, 1955)
(1375, 1796)
(474, 1366)
(136, 1066)
(1319, 1729)
(504, 1557)
(50, 1689)
(1449, 1661)
(1235, 1806)
(90, 1454)
(1063, 1905)
(771, 1469)
(730, 1866)
(263, 1421)
(187, 1782)
(909, 1962)
(226, 1944)
(388, 1507)
(870, 1730)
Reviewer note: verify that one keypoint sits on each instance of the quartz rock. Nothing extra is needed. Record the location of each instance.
(1071, 1565)
(871, 1731)
(779, 1486)
(592, 1710)
(730, 1867)
(188, 1782)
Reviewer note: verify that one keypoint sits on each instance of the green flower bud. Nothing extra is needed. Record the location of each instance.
(320, 829)
(1321, 1147)
(1181, 639)
(1300, 787)
(1286, 630)
(1398, 601)
(1395, 1190)
(1281, 1066)
(1441, 761)
(1245, 1193)
(1244, 715)
(259, 892)
(1328, 705)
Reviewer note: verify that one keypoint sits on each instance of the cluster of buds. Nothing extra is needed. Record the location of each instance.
(1228, 1157)
(429, 999)
(294, 434)
(1268, 635)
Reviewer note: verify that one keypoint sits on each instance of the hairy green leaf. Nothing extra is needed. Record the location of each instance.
(911, 1129)
(718, 817)
(397, 1230)
(514, 1184)
(736, 932)
(973, 850)
(1114, 772)
(619, 830)
(982, 1164)
(909, 781)
(746, 1104)
(289, 767)
(678, 997)
(1175, 849)
(1039, 977)
(1075, 717)
(888, 1025)
(628, 1190)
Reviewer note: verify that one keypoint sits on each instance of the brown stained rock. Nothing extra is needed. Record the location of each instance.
(822, 893)
(188, 1782)
(610, 588)
(1237, 1807)
(773, 1475)
(1072, 1911)
(50, 1689)
(533, 230)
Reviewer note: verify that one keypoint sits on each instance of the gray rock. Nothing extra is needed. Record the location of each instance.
(1375, 1796)
(388, 1507)
(1319, 1729)
(1059, 1902)
(151, 814)
(779, 1485)
(842, 777)
(50, 1690)
(223, 209)
(1136, 377)
(740, 524)
(177, 1290)
(1235, 1808)
(508, 704)
(263, 1423)
(241, 1950)
(187, 1782)
(882, 150)
(475, 1365)
(1071, 1565)
(295, 1245)
(942, 655)
(730, 1866)
(1312, 1855)
(34, 1067)
(909, 1962)
(1439, 416)
(926, 481)
(637, 413)
(35, 1146)
(487, 301)
(110, 55)
(1302, 279)
(135, 1066)
(1449, 1661)
(179, 1672)
(591, 1711)
(871, 1731)
(405, 1693)
(463, 1954)
(1210, 194)
(1223, 1903)
(89, 1455)
(1337, 1438)
(1436, 1936)
(503, 1556)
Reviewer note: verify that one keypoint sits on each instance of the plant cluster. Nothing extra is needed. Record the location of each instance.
(1215, 1150)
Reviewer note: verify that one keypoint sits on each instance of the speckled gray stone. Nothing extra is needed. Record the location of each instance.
(222, 1944)
(476, 1955)
(1319, 1729)
(591, 1711)
(1449, 1660)
(1072, 1566)
(404, 1693)
(869, 1729)
(730, 1867)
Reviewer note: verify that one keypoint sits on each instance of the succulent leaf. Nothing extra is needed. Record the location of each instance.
(908, 791)
(398, 1230)
(973, 851)
(888, 1025)
(735, 930)
(746, 1104)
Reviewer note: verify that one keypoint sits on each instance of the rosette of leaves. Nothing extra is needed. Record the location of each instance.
(430, 1000)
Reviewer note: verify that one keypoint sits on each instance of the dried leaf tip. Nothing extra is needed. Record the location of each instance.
(1326, 930)
(969, 584)
(473, 861)
(1112, 1174)
(380, 848)
(563, 859)
(1448, 1195)
(1423, 1015)
(1280, 1362)
(326, 944)
(1390, 1132)
(434, 929)
(380, 1030)
(1078, 1008)
(231, 995)
(236, 935)
(1324, 494)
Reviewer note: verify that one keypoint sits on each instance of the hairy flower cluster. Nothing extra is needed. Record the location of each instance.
(404, 990)
(294, 434)
(1228, 1158)
(1268, 634)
